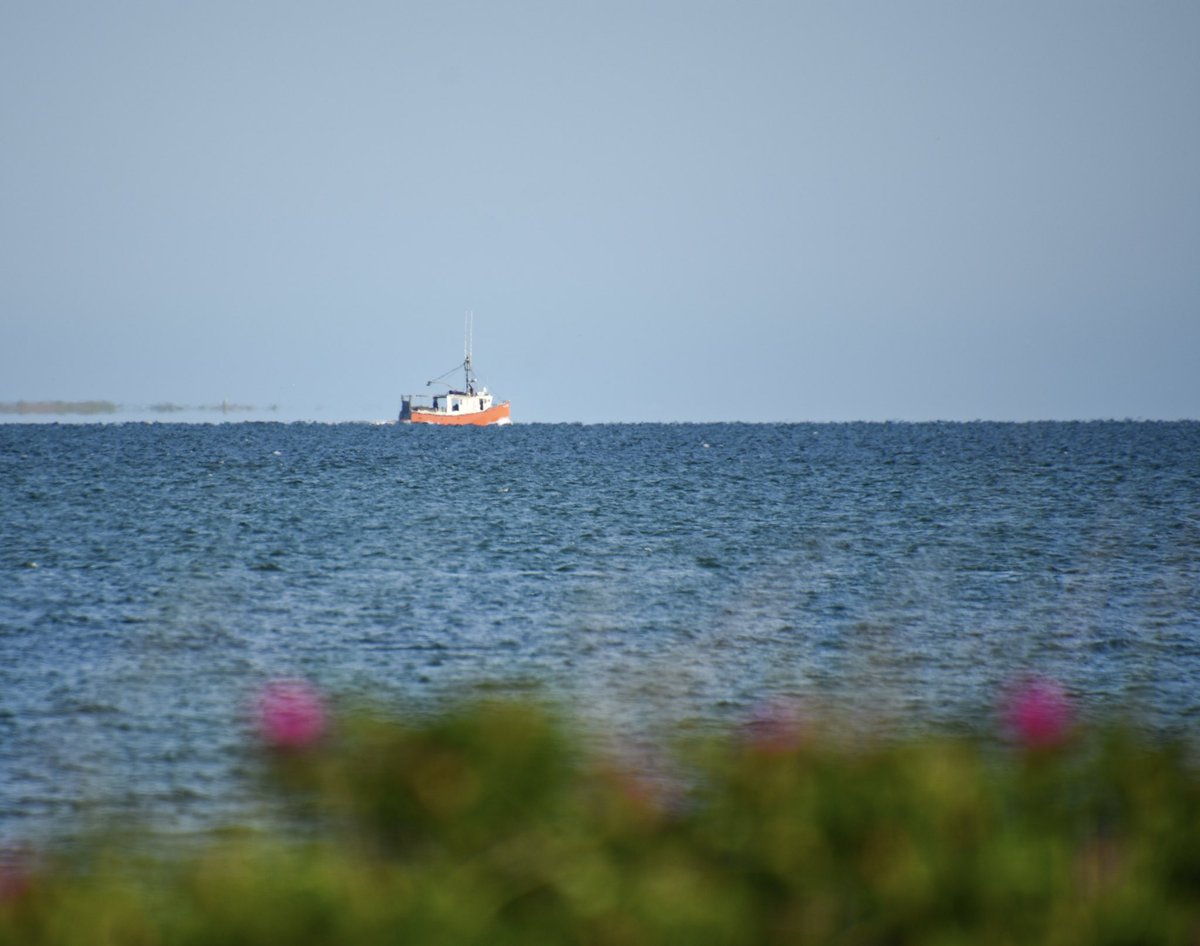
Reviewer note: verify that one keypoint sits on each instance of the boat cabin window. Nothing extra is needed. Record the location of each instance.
(454, 404)
(481, 403)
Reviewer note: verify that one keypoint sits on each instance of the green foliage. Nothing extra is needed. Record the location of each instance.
(490, 825)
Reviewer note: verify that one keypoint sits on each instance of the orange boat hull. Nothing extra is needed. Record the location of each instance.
(497, 414)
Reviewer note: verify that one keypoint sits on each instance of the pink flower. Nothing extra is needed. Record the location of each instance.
(1038, 713)
(291, 715)
(643, 783)
(775, 728)
(15, 878)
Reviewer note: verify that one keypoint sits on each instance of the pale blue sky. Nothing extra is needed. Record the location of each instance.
(657, 211)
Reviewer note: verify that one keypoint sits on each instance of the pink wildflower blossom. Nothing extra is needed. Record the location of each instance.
(1038, 713)
(291, 715)
(775, 728)
(642, 781)
(15, 879)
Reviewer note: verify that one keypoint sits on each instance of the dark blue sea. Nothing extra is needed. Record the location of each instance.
(153, 576)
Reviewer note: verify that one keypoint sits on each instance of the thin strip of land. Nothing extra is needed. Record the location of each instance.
(58, 407)
(51, 408)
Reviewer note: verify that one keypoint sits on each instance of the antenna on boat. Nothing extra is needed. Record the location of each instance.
(468, 332)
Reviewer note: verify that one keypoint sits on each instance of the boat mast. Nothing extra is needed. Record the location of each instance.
(468, 331)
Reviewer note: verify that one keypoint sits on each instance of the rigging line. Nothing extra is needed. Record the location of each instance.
(444, 373)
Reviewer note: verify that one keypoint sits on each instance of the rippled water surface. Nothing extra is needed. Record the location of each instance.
(153, 575)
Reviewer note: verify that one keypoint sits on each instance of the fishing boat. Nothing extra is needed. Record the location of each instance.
(472, 404)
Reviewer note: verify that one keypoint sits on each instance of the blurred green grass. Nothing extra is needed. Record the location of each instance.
(496, 823)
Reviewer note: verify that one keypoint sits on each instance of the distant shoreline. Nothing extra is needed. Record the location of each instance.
(108, 407)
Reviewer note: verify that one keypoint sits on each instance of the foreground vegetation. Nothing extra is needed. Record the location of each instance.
(491, 824)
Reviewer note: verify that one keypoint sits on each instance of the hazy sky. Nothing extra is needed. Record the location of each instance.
(656, 211)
